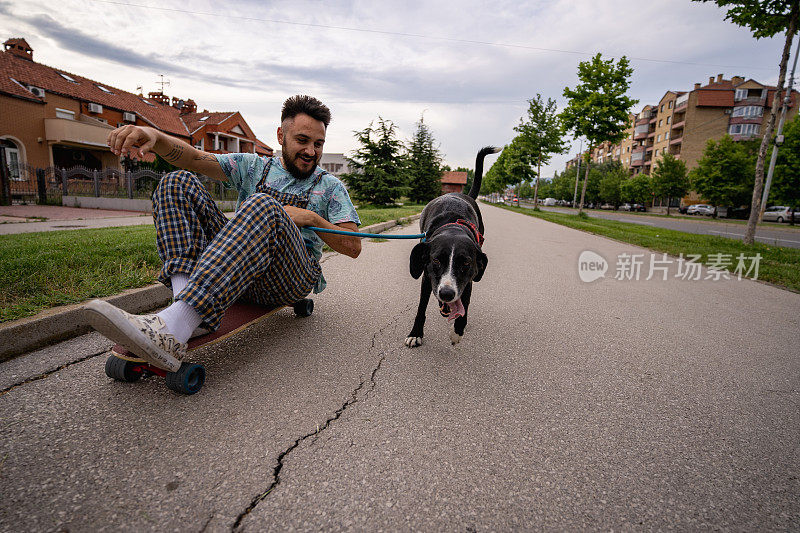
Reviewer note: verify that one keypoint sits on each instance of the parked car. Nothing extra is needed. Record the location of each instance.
(742, 213)
(682, 209)
(606, 206)
(780, 213)
(638, 207)
(700, 209)
(626, 207)
(549, 201)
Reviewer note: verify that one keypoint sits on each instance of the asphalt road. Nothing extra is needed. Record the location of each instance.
(568, 406)
(770, 233)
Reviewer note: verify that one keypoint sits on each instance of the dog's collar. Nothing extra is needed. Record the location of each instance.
(473, 229)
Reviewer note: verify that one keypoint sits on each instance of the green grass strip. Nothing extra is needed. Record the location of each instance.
(778, 265)
(43, 270)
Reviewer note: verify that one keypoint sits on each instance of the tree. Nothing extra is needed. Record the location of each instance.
(541, 134)
(786, 185)
(497, 178)
(610, 186)
(424, 166)
(378, 165)
(518, 162)
(724, 175)
(670, 178)
(764, 18)
(637, 189)
(598, 106)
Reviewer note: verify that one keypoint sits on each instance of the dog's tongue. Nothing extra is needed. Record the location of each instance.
(456, 309)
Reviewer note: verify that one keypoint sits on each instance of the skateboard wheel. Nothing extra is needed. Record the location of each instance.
(304, 308)
(122, 370)
(188, 379)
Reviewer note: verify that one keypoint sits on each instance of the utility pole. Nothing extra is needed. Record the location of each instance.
(779, 136)
(577, 174)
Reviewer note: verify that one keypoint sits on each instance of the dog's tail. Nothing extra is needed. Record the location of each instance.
(476, 182)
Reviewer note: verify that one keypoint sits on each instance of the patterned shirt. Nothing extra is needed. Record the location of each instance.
(329, 198)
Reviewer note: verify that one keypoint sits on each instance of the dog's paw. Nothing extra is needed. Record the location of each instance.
(413, 342)
(455, 338)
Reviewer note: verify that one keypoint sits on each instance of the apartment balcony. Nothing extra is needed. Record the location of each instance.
(676, 140)
(640, 136)
(681, 103)
(638, 163)
(642, 121)
(679, 125)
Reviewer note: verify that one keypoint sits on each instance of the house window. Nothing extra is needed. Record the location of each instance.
(658, 139)
(65, 113)
(203, 119)
(103, 89)
(199, 145)
(669, 106)
(12, 161)
(660, 122)
(655, 154)
(669, 119)
(741, 94)
(662, 108)
(67, 77)
(666, 136)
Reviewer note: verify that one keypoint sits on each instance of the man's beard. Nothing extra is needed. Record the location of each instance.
(293, 169)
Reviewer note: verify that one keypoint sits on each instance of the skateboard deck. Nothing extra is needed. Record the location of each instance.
(123, 365)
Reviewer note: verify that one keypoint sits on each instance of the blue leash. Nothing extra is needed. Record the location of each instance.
(362, 235)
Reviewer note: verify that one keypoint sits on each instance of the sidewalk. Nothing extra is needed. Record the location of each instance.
(32, 218)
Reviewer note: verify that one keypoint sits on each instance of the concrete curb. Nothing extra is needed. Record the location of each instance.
(64, 322)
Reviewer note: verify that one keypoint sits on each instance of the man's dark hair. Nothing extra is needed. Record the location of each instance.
(309, 105)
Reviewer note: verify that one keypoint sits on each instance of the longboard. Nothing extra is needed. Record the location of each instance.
(123, 365)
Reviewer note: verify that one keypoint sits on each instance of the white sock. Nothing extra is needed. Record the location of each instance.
(179, 281)
(181, 320)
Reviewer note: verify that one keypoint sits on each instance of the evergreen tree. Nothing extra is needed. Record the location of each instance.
(424, 166)
(378, 165)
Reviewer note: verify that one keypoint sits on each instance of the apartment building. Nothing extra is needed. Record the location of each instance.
(683, 122)
(55, 118)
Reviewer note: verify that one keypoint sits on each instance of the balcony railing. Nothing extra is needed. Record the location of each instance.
(681, 100)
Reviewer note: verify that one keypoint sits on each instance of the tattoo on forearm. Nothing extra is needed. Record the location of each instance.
(205, 157)
(175, 154)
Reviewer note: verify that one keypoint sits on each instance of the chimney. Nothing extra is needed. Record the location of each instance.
(710, 80)
(189, 106)
(159, 97)
(19, 47)
(696, 86)
(737, 80)
(719, 78)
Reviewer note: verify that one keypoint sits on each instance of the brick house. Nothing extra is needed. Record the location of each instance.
(55, 118)
(453, 181)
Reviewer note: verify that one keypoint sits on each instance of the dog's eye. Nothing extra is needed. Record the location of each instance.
(435, 261)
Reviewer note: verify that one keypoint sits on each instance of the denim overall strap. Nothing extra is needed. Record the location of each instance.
(296, 200)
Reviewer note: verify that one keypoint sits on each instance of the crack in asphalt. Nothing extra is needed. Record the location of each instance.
(337, 414)
(50, 372)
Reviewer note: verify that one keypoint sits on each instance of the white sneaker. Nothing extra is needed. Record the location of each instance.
(142, 335)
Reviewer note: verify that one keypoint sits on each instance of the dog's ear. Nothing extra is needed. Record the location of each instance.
(482, 261)
(419, 258)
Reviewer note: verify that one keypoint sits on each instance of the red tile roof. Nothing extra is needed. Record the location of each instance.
(165, 118)
(262, 148)
(455, 178)
(193, 122)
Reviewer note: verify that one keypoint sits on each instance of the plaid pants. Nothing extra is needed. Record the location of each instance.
(258, 256)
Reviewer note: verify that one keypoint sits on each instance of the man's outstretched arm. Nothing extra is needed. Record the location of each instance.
(136, 141)
(350, 246)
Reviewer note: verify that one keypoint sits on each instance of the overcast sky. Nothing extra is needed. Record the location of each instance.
(470, 69)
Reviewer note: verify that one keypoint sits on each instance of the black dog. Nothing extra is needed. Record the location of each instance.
(450, 256)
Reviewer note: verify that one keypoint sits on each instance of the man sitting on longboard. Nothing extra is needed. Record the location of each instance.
(263, 254)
